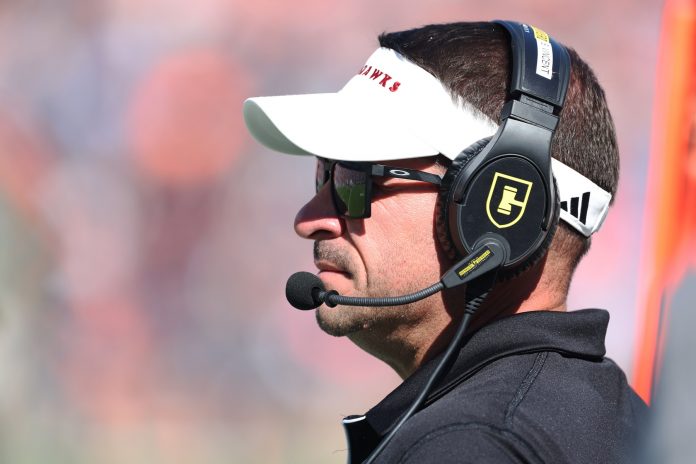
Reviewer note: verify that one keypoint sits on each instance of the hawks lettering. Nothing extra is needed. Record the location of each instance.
(375, 75)
(365, 70)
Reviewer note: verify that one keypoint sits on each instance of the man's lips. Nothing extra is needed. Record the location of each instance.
(325, 267)
(334, 277)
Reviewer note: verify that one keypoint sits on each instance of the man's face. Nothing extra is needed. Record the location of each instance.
(391, 253)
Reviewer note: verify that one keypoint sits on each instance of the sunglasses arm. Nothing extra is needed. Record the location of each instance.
(404, 173)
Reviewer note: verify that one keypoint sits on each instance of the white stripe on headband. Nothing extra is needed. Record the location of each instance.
(584, 204)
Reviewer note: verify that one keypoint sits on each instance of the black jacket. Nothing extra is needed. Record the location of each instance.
(529, 388)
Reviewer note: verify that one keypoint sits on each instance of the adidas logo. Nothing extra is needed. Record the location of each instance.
(581, 203)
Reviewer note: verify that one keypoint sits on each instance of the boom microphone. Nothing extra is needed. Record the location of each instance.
(305, 290)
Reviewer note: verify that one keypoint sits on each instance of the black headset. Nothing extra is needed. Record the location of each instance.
(501, 188)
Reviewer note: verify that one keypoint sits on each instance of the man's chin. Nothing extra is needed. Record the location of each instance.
(336, 321)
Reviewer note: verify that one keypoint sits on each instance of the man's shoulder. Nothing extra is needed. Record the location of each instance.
(532, 407)
(465, 441)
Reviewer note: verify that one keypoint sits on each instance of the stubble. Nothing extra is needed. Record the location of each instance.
(343, 320)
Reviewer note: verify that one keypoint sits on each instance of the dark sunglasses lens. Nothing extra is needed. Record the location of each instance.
(350, 190)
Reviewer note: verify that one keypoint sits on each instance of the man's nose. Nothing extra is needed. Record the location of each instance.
(317, 219)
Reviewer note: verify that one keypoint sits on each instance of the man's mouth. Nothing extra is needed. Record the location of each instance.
(327, 267)
(334, 277)
(333, 268)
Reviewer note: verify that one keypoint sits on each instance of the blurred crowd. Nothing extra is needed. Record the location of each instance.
(146, 239)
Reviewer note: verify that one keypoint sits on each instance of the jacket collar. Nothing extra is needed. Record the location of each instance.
(578, 334)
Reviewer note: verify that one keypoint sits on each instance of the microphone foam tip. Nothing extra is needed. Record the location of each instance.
(301, 288)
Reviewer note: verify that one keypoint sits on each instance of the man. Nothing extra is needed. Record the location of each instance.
(530, 382)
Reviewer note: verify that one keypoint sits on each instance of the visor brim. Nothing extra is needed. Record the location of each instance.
(333, 126)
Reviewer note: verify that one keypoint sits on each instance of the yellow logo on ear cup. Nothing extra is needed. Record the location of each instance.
(509, 196)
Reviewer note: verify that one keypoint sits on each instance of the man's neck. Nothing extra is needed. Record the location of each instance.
(507, 299)
(407, 347)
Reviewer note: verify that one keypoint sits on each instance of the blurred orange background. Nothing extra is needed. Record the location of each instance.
(146, 238)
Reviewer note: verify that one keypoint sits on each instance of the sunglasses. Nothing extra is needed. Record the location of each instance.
(351, 183)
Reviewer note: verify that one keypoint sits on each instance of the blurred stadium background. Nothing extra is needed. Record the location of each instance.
(146, 238)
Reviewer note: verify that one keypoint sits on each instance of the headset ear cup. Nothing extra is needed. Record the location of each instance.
(442, 225)
(442, 207)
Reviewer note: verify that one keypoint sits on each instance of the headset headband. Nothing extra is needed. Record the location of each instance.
(506, 191)
(540, 65)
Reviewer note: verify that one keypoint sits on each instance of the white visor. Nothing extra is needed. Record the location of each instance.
(394, 109)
